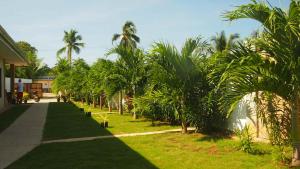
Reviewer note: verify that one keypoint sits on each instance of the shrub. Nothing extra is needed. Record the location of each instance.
(281, 154)
(25, 96)
(206, 116)
(246, 139)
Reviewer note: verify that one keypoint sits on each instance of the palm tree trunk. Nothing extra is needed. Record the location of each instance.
(94, 102)
(181, 110)
(100, 102)
(109, 106)
(183, 122)
(70, 55)
(120, 103)
(134, 113)
(257, 115)
(184, 127)
(296, 132)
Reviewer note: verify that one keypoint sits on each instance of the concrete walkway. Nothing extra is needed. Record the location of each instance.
(113, 136)
(23, 135)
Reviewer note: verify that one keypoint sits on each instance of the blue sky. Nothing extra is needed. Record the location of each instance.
(41, 23)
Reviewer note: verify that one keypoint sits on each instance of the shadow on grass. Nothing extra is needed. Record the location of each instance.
(9, 116)
(259, 151)
(159, 123)
(214, 138)
(67, 121)
(138, 121)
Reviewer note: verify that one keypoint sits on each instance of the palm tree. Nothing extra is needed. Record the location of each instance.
(221, 43)
(128, 36)
(129, 39)
(276, 68)
(179, 75)
(71, 40)
(131, 69)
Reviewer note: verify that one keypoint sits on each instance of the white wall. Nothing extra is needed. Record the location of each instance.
(243, 113)
(7, 82)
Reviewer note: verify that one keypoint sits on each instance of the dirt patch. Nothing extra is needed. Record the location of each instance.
(173, 140)
(197, 149)
(213, 150)
(191, 147)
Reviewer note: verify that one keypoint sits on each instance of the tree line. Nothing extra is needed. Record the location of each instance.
(203, 82)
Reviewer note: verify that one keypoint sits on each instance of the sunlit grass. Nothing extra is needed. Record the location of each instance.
(125, 123)
(167, 151)
(67, 121)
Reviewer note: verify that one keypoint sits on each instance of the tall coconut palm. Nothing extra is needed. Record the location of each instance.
(72, 43)
(222, 43)
(128, 37)
(276, 68)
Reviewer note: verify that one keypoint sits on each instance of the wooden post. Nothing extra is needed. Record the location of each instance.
(12, 81)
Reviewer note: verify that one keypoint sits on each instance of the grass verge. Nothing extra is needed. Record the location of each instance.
(67, 121)
(168, 151)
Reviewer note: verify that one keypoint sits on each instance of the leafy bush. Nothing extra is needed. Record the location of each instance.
(246, 139)
(156, 105)
(281, 154)
(25, 96)
(206, 116)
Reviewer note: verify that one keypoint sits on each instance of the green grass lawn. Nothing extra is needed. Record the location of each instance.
(167, 151)
(67, 121)
(10, 115)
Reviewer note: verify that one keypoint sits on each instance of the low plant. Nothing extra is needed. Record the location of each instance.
(25, 97)
(64, 99)
(105, 120)
(58, 98)
(281, 154)
(246, 139)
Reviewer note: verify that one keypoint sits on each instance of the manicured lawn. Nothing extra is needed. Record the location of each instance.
(167, 151)
(67, 121)
(10, 115)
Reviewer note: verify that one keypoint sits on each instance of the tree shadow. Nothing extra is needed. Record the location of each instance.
(103, 153)
(159, 124)
(138, 121)
(215, 137)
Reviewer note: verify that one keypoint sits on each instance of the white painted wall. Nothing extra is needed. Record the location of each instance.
(7, 82)
(243, 113)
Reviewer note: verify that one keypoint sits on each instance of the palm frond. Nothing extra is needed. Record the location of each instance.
(135, 38)
(60, 51)
(115, 37)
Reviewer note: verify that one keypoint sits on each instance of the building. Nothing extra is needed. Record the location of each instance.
(7, 82)
(10, 55)
(46, 82)
(244, 114)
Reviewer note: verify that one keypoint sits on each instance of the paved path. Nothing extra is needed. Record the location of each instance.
(112, 136)
(23, 135)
